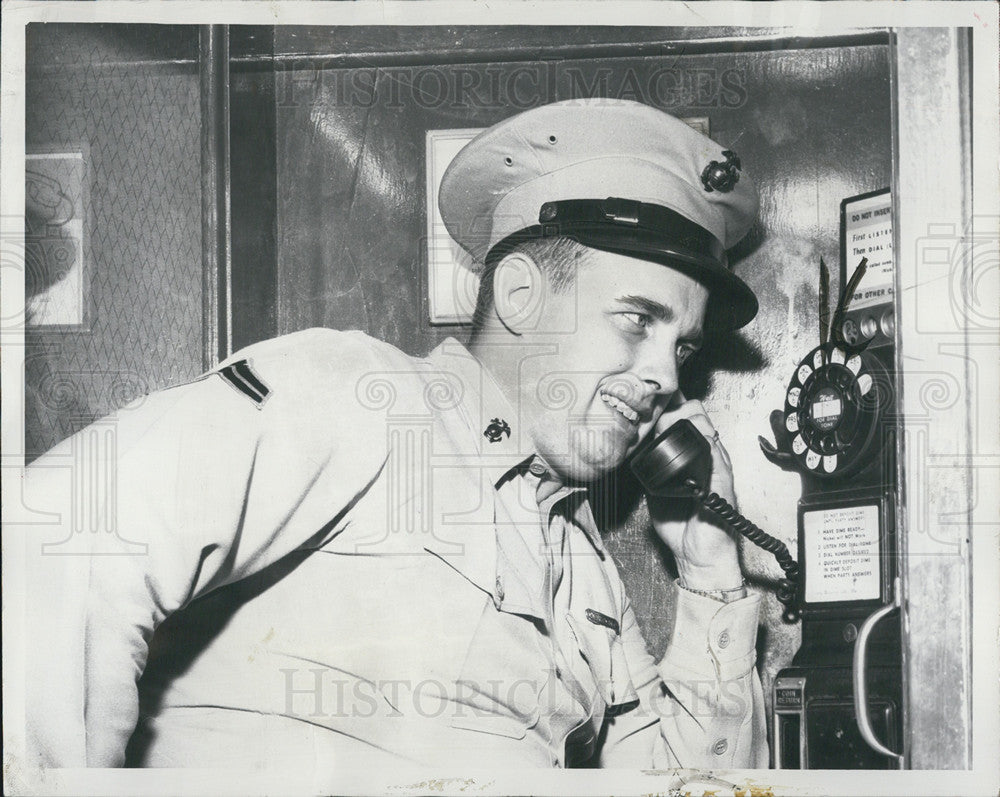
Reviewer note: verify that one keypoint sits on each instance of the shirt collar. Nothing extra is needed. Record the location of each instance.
(503, 445)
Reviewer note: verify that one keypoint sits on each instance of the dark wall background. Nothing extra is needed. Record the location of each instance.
(328, 182)
(128, 95)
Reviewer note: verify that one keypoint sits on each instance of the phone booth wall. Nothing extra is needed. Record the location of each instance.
(946, 240)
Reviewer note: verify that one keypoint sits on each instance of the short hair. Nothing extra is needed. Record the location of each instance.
(556, 257)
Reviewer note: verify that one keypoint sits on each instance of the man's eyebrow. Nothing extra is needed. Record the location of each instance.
(658, 311)
(661, 312)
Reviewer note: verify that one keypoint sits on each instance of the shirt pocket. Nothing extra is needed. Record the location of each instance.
(501, 678)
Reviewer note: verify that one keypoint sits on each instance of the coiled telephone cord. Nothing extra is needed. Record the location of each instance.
(788, 586)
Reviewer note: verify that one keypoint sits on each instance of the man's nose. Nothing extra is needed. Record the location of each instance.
(657, 367)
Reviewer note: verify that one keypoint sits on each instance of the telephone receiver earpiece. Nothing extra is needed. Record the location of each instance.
(677, 463)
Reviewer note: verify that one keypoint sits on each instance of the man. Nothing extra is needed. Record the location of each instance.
(328, 554)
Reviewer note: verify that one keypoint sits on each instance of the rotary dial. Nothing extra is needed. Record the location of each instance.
(831, 410)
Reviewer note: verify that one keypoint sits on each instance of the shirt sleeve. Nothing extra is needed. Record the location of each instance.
(177, 494)
(702, 706)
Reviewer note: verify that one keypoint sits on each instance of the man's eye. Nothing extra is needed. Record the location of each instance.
(684, 354)
(638, 319)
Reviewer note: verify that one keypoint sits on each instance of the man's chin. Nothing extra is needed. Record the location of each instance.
(592, 453)
(587, 467)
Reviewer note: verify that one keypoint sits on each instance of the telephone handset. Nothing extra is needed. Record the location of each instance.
(677, 463)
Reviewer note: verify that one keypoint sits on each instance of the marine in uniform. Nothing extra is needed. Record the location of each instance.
(329, 554)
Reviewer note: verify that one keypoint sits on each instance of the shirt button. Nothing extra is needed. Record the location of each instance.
(499, 589)
(724, 639)
(720, 747)
(537, 468)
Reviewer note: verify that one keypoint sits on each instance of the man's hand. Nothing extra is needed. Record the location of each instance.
(704, 548)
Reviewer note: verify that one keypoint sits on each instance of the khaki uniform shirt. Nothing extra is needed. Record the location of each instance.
(348, 565)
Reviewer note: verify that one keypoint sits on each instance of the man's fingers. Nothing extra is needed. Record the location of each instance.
(694, 411)
(724, 454)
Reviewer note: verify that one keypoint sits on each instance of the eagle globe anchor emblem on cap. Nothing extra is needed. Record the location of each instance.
(496, 430)
(722, 177)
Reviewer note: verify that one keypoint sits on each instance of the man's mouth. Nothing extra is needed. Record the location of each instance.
(628, 412)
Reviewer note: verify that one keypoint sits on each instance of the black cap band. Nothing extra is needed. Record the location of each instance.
(622, 224)
(648, 232)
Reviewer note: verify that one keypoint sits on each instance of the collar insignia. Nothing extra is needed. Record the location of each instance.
(496, 430)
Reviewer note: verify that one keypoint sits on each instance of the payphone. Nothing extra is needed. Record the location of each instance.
(839, 706)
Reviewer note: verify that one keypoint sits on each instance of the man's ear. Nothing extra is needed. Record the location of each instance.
(518, 292)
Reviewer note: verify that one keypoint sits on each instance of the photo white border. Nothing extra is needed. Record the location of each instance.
(801, 18)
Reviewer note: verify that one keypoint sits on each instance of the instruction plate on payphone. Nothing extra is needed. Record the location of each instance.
(842, 554)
